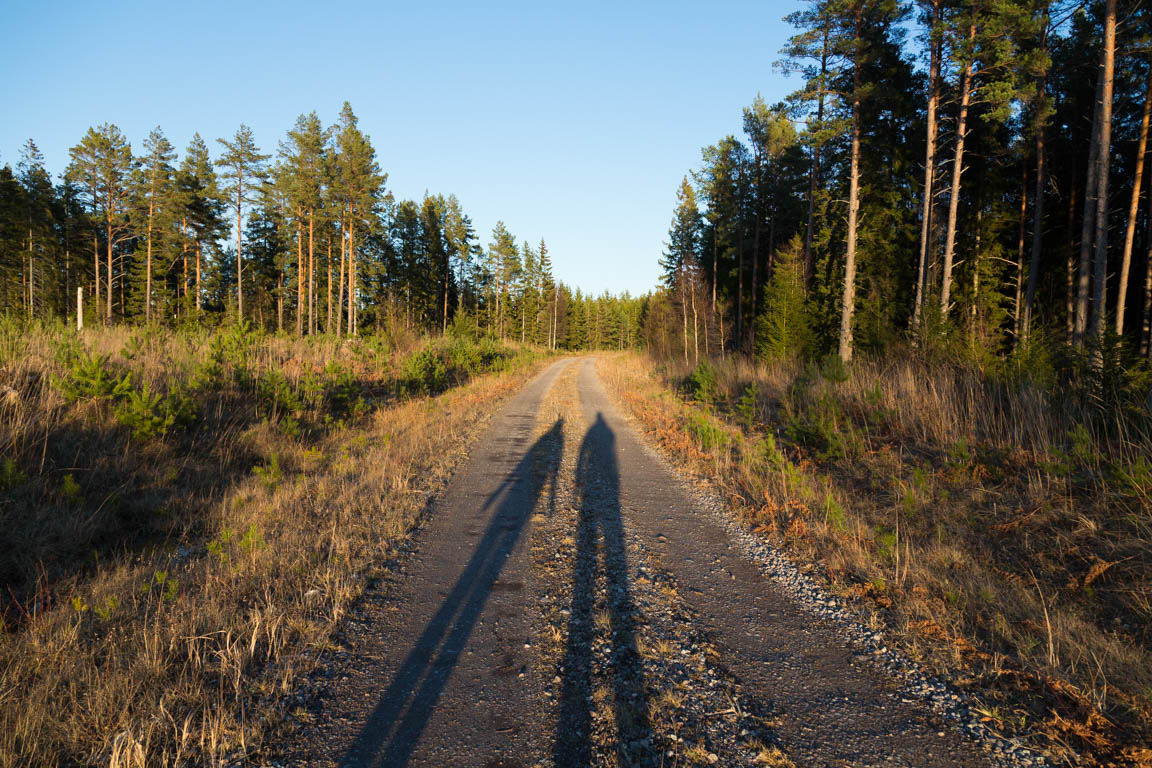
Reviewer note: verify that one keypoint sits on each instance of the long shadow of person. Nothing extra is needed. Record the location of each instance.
(601, 550)
(393, 730)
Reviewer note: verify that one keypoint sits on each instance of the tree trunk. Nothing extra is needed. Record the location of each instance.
(756, 253)
(1146, 335)
(148, 257)
(814, 172)
(1018, 309)
(957, 170)
(198, 293)
(684, 310)
(929, 170)
(1084, 283)
(340, 285)
(108, 316)
(1130, 233)
(31, 292)
(311, 275)
(1100, 305)
(715, 258)
(300, 300)
(184, 260)
(1038, 198)
(1070, 304)
(328, 264)
(351, 274)
(695, 325)
(849, 304)
(96, 267)
(740, 286)
(239, 262)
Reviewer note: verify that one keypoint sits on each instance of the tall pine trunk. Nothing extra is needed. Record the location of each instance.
(849, 304)
(814, 171)
(1100, 303)
(239, 262)
(198, 293)
(108, 232)
(1133, 207)
(1146, 330)
(1084, 280)
(184, 260)
(328, 265)
(340, 285)
(1018, 309)
(684, 310)
(957, 171)
(311, 275)
(148, 259)
(351, 274)
(929, 169)
(715, 259)
(96, 266)
(1038, 198)
(299, 272)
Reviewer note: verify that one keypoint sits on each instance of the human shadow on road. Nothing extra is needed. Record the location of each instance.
(396, 724)
(601, 551)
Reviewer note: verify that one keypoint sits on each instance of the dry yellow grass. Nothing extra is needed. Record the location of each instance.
(1004, 540)
(162, 601)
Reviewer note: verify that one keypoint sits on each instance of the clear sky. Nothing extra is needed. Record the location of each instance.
(570, 121)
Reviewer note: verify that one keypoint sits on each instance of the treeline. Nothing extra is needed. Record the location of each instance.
(964, 174)
(308, 240)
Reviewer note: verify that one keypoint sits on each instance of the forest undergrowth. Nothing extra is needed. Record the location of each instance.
(1001, 533)
(187, 515)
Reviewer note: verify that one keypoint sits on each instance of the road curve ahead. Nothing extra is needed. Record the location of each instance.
(448, 666)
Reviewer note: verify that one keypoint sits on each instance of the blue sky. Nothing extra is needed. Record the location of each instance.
(571, 122)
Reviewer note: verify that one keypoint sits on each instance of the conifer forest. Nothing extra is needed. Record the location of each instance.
(302, 239)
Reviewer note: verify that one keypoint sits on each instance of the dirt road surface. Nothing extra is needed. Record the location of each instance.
(569, 603)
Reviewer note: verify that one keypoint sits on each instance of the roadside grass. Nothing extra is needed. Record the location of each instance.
(187, 515)
(1002, 537)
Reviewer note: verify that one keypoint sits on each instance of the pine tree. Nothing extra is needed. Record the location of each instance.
(242, 171)
(155, 189)
(200, 210)
(103, 160)
(361, 184)
(304, 156)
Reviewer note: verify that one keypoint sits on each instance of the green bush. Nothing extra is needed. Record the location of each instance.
(276, 391)
(466, 357)
(342, 394)
(424, 373)
(150, 414)
(707, 432)
(90, 379)
(145, 414)
(701, 383)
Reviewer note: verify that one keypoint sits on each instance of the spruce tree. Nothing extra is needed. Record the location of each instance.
(782, 329)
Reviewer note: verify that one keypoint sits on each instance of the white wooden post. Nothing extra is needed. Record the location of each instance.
(79, 307)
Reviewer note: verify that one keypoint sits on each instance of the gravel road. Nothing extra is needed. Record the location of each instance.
(571, 603)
